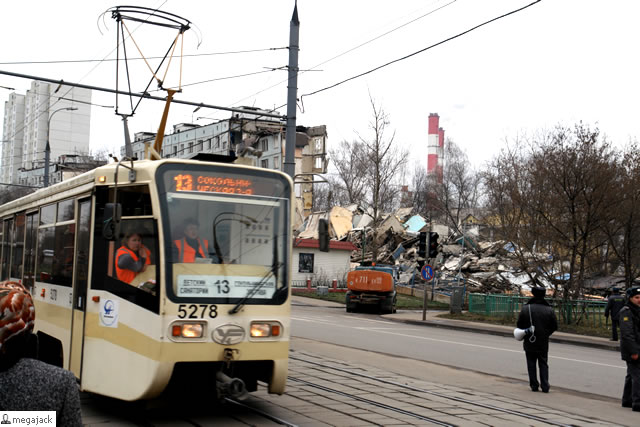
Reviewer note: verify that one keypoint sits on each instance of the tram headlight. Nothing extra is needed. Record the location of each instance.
(265, 329)
(187, 330)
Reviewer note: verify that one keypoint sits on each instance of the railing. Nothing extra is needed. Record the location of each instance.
(314, 284)
(576, 312)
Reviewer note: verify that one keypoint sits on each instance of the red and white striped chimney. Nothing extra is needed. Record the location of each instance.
(435, 147)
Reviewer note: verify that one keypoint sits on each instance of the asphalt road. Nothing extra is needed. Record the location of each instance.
(576, 368)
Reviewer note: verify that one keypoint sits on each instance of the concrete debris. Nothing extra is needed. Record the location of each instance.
(481, 265)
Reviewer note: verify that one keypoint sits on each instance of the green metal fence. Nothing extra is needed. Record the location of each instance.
(577, 312)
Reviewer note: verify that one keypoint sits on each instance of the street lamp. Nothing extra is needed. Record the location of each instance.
(47, 149)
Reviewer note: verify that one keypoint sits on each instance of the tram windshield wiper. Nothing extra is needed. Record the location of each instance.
(275, 266)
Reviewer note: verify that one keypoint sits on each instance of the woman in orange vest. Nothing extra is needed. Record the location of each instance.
(191, 246)
(132, 258)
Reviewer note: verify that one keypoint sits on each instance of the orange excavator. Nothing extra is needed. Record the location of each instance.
(372, 286)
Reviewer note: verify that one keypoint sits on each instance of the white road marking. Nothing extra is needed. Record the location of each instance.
(388, 331)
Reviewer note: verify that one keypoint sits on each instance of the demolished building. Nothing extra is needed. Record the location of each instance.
(481, 265)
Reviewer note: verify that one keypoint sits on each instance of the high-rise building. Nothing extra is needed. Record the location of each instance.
(12, 134)
(435, 148)
(59, 113)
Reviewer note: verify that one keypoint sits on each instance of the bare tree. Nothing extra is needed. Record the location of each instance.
(328, 194)
(384, 161)
(13, 192)
(557, 195)
(623, 230)
(456, 194)
(349, 159)
(420, 188)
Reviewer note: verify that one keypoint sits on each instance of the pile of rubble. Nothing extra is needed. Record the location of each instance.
(484, 266)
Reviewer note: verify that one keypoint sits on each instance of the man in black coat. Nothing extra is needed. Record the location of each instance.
(614, 305)
(538, 313)
(630, 348)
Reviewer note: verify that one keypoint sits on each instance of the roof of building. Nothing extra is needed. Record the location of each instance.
(315, 244)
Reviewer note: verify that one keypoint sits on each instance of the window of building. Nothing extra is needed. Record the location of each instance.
(181, 149)
(264, 145)
(276, 163)
(199, 147)
(209, 144)
(305, 263)
(175, 150)
(216, 142)
(191, 147)
(264, 163)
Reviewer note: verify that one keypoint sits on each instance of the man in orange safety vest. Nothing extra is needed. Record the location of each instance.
(190, 246)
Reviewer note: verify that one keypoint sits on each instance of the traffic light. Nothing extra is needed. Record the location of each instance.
(323, 235)
(433, 244)
(422, 245)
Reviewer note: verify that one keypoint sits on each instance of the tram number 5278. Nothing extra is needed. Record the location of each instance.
(197, 311)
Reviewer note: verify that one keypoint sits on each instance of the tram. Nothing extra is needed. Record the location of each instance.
(217, 318)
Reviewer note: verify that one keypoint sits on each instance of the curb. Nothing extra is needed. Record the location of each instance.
(561, 340)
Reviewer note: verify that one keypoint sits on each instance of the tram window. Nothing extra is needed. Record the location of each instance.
(46, 253)
(63, 260)
(18, 247)
(65, 210)
(135, 257)
(1, 247)
(82, 253)
(6, 249)
(48, 214)
(104, 274)
(134, 199)
(30, 250)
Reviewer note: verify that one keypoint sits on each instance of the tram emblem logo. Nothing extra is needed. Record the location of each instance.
(228, 334)
(109, 314)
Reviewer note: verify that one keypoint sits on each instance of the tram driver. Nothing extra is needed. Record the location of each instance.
(190, 247)
(132, 258)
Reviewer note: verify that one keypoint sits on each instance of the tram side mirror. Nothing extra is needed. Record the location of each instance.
(323, 235)
(111, 225)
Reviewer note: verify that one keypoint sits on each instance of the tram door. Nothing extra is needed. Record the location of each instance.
(81, 275)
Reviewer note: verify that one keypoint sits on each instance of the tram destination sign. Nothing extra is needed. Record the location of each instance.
(222, 180)
(213, 184)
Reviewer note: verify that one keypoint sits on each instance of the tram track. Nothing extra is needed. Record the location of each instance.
(371, 402)
(259, 412)
(323, 367)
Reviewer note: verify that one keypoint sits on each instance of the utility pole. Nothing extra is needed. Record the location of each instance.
(292, 94)
(47, 149)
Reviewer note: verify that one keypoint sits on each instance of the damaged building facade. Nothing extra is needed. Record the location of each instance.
(257, 140)
(468, 256)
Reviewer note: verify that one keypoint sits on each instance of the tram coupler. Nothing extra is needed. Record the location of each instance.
(232, 387)
(229, 355)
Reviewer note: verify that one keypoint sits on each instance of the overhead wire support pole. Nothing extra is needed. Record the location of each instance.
(141, 95)
(292, 94)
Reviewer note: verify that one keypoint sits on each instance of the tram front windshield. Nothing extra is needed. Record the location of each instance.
(226, 234)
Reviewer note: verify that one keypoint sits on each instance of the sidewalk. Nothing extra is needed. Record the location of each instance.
(414, 317)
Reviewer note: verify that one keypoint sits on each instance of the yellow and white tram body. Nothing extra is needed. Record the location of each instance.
(218, 320)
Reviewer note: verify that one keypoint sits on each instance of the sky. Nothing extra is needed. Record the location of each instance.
(557, 62)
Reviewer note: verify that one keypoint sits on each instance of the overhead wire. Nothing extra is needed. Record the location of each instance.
(419, 51)
(348, 51)
(193, 55)
(328, 60)
(38, 107)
